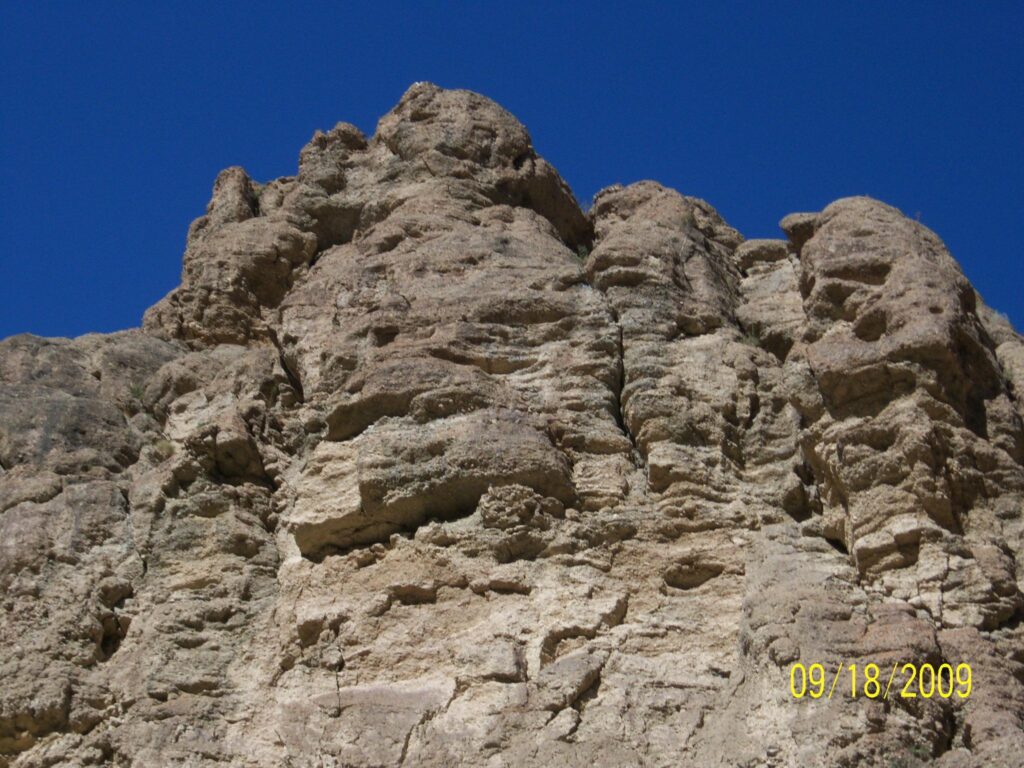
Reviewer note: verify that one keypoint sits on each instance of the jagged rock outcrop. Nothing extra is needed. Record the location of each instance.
(423, 465)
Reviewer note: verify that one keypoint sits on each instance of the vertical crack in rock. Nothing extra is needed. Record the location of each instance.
(664, 264)
(288, 369)
(620, 385)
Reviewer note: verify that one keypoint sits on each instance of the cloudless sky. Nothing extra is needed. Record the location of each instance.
(116, 117)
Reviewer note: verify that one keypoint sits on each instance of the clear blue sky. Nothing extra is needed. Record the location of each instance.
(115, 118)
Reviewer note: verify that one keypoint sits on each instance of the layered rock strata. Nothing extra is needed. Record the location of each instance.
(423, 465)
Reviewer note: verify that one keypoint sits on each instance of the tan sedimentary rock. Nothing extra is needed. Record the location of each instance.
(422, 465)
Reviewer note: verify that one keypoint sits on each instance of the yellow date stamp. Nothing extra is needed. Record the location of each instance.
(903, 680)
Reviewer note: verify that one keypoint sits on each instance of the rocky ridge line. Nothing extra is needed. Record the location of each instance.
(421, 465)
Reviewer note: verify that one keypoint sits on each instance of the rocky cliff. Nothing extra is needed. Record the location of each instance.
(422, 465)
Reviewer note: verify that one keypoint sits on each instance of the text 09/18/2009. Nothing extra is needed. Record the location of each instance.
(872, 681)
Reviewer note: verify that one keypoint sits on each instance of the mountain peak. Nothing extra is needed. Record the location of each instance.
(421, 464)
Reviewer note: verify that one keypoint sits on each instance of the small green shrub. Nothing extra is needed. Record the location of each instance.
(163, 449)
(751, 338)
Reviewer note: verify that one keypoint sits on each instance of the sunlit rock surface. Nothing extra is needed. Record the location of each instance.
(423, 465)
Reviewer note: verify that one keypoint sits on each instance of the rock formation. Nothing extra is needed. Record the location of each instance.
(422, 465)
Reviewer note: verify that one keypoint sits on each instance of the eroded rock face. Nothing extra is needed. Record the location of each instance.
(422, 465)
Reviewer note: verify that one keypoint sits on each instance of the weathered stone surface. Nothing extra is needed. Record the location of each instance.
(423, 465)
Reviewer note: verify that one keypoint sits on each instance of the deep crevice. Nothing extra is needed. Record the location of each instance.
(1012, 622)
(949, 725)
(636, 456)
(112, 636)
(293, 377)
(947, 733)
(588, 695)
(618, 415)
(838, 546)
